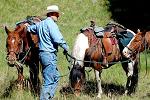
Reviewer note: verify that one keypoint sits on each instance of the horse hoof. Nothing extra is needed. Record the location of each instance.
(126, 92)
(109, 94)
(77, 94)
(19, 86)
(99, 96)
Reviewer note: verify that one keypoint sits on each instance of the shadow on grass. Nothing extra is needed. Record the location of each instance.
(146, 96)
(91, 89)
(12, 87)
(8, 90)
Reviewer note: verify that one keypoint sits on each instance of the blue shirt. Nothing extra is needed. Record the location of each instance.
(49, 35)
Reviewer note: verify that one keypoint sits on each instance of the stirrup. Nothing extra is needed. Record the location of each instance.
(105, 65)
(105, 62)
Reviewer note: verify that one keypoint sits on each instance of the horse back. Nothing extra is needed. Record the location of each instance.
(100, 47)
(147, 38)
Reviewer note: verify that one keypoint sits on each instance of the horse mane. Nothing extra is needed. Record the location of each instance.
(29, 39)
(21, 28)
(116, 24)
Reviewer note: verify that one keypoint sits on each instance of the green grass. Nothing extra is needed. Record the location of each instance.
(75, 15)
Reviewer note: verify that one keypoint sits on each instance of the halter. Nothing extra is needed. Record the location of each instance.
(138, 50)
(20, 54)
(17, 53)
(134, 51)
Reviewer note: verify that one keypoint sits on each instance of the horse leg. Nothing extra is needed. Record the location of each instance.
(134, 78)
(98, 79)
(34, 79)
(20, 79)
(131, 69)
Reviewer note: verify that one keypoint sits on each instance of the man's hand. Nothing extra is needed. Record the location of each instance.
(65, 52)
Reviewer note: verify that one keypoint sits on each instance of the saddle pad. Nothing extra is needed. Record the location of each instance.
(126, 38)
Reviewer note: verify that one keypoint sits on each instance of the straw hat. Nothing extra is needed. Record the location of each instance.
(52, 8)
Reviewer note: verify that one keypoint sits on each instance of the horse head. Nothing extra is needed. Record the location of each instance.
(77, 78)
(14, 44)
(135, 45)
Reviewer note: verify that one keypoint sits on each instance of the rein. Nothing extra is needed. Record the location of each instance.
(21, 62)
(23, 59)
(68, 55)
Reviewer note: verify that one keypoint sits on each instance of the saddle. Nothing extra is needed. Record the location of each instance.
(30, 20)
(107, 42)
(107, 38)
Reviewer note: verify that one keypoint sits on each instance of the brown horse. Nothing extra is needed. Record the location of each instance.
(90, 51)
(22, 48)
(139, 43)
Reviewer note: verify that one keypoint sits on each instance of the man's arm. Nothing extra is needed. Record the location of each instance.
(57, 37)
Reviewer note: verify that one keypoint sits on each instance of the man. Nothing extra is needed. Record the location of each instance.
(49, 39)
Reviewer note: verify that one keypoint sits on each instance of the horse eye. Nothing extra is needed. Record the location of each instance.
(19, 43)
(138, 39)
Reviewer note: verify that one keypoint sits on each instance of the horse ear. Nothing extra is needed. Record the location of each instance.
(138, 30)
(6, 29)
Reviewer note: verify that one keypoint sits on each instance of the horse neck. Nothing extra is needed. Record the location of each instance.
(22, 31)
(147, 38)
(145, 42)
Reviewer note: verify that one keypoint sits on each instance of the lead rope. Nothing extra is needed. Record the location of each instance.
(23, 59)
(145, 57)
(67, 54)
(21, 62)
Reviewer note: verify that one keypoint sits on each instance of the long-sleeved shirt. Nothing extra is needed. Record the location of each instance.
(49, 35)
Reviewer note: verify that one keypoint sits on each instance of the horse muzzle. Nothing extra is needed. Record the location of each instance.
(126, 52)
(11, 60)
(77, 88)
(77, 92)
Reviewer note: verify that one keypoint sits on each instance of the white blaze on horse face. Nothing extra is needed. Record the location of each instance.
(13, 41)
(80, 46)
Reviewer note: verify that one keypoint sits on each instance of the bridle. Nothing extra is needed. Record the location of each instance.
(18, 52)
(135, 51)
(21, 54)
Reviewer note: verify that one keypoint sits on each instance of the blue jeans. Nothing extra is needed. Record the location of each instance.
(50, 75)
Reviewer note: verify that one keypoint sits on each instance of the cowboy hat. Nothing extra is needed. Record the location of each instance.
(52, 8)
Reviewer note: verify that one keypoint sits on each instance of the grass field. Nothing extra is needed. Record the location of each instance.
(75, 14)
